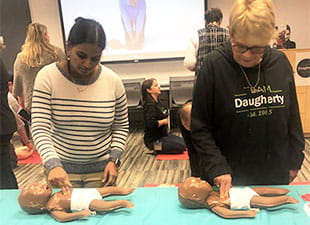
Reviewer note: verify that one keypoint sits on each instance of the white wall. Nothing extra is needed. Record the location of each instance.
(47, 12)
(292, 12)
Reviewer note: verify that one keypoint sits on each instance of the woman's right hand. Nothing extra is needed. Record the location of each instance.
(58, 177)
(223, 182)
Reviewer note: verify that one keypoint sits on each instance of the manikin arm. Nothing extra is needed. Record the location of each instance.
(63, 216)
(270, 191)
(103, 206)
(262, 201)
(230, 214)
(112, 190)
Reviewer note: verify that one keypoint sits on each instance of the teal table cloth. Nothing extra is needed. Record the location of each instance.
(160, 206)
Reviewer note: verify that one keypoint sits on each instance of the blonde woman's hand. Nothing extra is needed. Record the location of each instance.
(223, 182)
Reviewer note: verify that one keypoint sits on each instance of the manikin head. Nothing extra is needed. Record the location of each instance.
(193, 192)
(34, 197)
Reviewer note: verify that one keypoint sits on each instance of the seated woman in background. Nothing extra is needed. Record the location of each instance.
(156, 136)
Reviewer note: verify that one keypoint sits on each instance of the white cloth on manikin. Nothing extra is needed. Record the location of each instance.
(240, 197)
(81, 198)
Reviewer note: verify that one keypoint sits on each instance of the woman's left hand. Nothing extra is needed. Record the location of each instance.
(109, 174)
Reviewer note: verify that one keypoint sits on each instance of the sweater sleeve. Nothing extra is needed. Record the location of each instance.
(296, 137)
(18, 77)
(41, 120)
(191, 53)
(120, 124)
(213, 163)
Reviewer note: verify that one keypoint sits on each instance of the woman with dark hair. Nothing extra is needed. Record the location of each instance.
(156, 136)
(79, 113)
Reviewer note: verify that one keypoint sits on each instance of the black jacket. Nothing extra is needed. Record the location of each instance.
(7, 119)
(257, 137)
(152, 113)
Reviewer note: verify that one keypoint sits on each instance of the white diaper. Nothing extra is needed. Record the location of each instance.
(240, 197)
(81, 198)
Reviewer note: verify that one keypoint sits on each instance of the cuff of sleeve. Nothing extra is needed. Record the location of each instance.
(156, 123)
(219, 172)
(116, 154)
(297, 163)
(52, 163)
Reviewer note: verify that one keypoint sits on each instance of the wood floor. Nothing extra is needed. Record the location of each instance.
(139, 166)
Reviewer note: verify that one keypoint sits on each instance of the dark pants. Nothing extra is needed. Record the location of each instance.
(7, 177)
(172, 144)
(192, 153)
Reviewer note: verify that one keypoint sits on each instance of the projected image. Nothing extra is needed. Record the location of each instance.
(133, 15)
(139, 29)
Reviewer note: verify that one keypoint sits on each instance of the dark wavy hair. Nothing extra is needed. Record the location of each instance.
(87, 31)
(146, 96)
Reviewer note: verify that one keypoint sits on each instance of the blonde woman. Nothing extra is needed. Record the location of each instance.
(245, 119)
(36, 52)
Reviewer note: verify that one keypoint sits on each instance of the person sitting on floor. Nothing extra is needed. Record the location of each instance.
(196, 193)
(156, 135)
(37, 198)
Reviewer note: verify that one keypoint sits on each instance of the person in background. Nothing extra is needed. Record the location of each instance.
(36, 52)
(245, 119)
(185, 127)
(288, 43)
(7, 128)
(79, 113)
(205, 40)
(15, 107)
(17, 111)
(156, 120)
(283, 39)
(27, 146)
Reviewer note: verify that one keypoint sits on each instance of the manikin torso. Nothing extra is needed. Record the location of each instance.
(59, 201)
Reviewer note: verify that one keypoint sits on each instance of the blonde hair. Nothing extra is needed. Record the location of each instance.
(37, 51)
(252, 21)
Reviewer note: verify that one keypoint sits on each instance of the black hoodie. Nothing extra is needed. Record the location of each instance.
(256, 137)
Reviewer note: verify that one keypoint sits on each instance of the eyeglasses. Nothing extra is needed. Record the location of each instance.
(243, 48)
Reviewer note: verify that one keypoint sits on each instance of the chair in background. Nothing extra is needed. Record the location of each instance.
(133, 92)
(180, 88)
